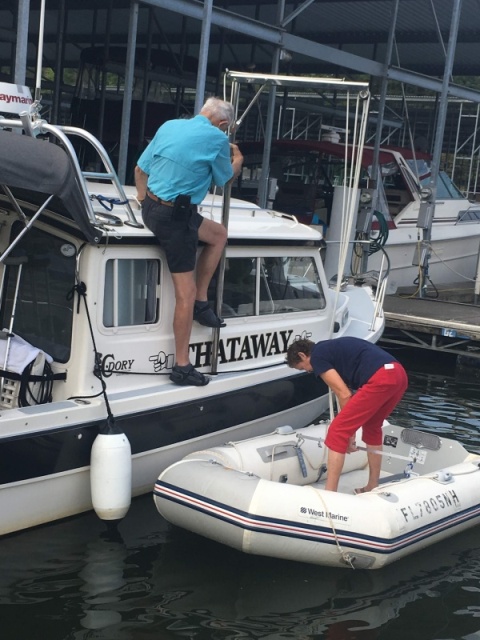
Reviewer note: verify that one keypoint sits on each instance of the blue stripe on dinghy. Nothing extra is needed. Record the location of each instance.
(313, 533)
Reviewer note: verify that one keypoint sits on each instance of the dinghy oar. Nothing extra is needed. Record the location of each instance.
(386, 453)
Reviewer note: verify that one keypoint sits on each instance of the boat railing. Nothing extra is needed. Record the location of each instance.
(36, 126)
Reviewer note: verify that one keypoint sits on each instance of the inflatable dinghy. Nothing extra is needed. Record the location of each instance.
(265, 496)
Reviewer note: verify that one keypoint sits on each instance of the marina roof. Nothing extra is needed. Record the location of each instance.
(320, 36)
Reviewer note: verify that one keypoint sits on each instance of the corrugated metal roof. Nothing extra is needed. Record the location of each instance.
(356, 26)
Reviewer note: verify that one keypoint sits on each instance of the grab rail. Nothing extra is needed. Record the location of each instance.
(34, 127)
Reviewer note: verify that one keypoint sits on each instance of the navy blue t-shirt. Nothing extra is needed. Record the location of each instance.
(354, 359)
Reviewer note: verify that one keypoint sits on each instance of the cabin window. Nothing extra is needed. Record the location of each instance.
(43, 305)
(262, 286)
(131, 292)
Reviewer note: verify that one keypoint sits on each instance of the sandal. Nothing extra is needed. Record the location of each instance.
(205, 316)
(190, 376)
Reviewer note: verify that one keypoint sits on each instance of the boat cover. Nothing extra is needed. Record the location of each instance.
(286, 147)
(42, 167)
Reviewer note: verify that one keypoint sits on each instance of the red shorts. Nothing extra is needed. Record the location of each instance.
(368, 408)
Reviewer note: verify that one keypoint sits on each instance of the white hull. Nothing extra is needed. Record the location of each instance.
(88, 301)
(44, 499)
(256, 497)
(253, 392)
(454, 256)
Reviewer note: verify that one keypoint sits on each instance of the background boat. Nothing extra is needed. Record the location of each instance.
(307, 172)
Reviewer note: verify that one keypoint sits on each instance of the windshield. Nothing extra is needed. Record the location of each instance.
(420, 168)
(446, 190)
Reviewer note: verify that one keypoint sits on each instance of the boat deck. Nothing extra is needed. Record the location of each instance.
(351, 480)
(446, 319)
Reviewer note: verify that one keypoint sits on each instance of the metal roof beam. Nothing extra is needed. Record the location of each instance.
(222, 18)
(295, 44)
(347, 60)
(433, 84)
(296, 12)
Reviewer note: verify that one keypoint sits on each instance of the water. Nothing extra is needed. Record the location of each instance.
(76, 581)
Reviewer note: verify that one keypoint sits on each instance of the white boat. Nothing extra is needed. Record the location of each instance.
(266, 496)
(86, 304)
(312, 170)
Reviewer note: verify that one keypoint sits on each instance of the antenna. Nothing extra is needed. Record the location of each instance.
(38, 81)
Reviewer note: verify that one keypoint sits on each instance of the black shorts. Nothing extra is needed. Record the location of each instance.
(177, 237)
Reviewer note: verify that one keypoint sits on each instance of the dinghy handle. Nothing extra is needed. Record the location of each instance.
(301, 460)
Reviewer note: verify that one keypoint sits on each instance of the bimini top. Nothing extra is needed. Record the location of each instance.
(40, 167)
(336, 149)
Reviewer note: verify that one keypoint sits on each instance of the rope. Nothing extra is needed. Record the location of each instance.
(167, 373)
(351, 182)
(346, 556)
(81, 290)
(107, 202)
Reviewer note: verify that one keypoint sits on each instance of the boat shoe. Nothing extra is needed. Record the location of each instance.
(189, 376)
(204, 315)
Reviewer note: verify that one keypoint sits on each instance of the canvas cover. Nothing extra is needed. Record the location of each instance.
(41, 167)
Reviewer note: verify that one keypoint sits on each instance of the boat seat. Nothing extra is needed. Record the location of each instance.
(426, 451)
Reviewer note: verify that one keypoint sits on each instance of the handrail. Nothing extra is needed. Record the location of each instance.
(34, 127)
(110, 173)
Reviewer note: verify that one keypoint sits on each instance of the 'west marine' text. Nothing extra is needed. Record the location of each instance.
(316, 513)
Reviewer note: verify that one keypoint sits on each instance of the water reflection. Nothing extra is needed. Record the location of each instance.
(447, 406)
(77, 581)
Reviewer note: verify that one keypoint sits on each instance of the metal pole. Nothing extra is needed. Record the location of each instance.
(146, 83)
(378, 135)
(264, 175)
(427, 207)
(104, 72)
(23, 13)
(203, 54)
(227, 194)
(60, 54)
(128, 92)
(227, 191)
(41, 28)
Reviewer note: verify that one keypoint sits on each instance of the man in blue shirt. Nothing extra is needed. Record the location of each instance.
(173, 176)
(368, 383)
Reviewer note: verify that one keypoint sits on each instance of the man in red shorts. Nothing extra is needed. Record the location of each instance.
(368, 383)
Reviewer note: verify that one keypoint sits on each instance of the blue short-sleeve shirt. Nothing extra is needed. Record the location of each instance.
(355, 360)
(185, 157)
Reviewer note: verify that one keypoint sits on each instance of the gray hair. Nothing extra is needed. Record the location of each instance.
(219, 109)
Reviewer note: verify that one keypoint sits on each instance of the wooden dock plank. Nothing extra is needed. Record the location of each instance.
(448, 322)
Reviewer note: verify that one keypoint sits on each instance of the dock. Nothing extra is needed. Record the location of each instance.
(445, 319)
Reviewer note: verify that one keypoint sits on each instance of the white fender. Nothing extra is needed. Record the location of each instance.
(111, 475)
